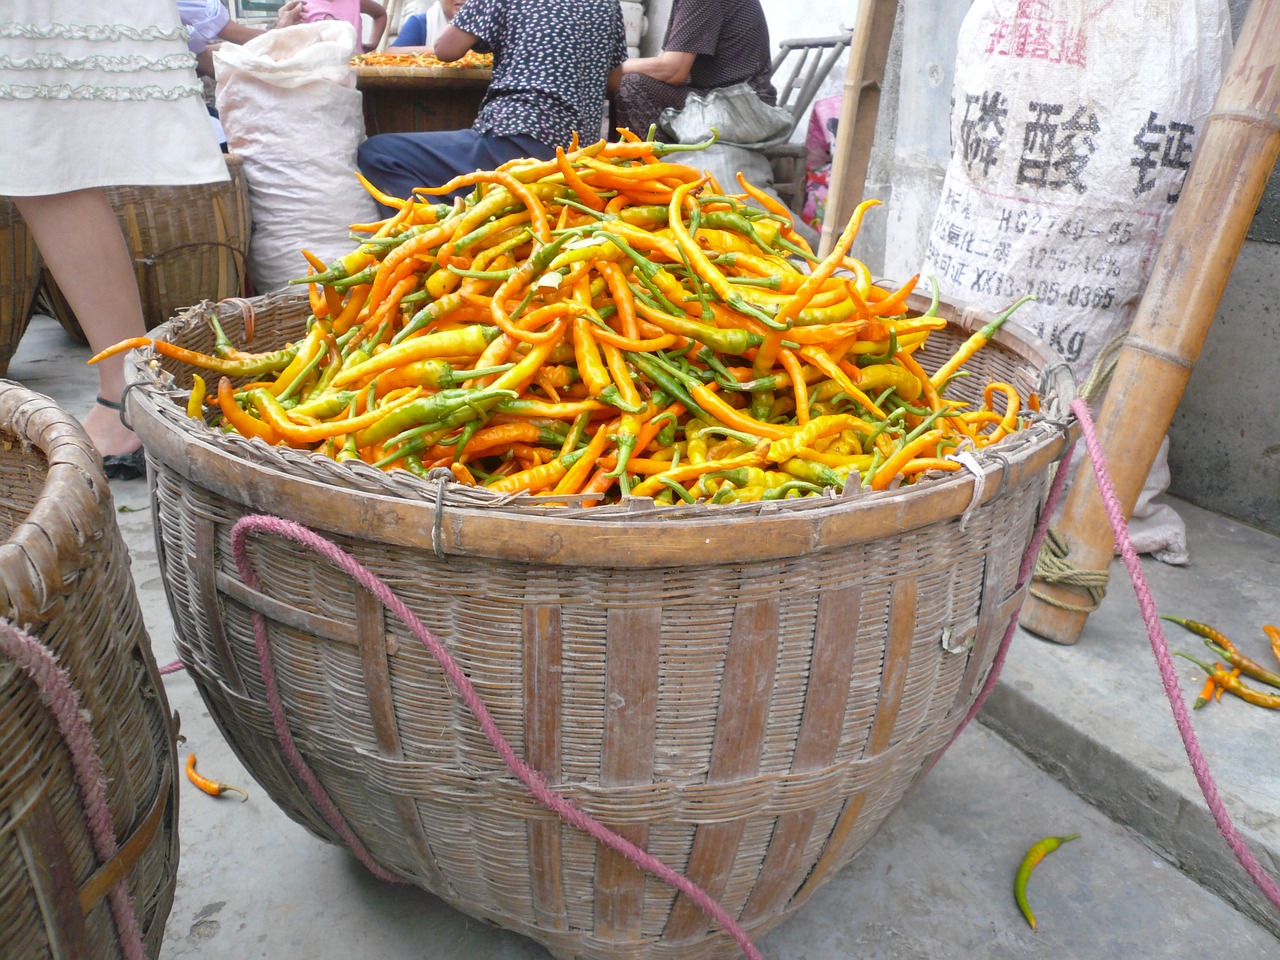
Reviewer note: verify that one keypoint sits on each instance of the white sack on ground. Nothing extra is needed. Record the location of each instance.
(289, 103)
(1072, 126)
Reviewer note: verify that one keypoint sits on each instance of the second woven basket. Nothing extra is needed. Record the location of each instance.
(73, 649)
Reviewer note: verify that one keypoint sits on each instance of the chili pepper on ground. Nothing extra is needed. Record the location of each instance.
(1203, 630)
(211, 787)
(1206, 694)
(1245, 665)
(1273, 634)
(1231, 683)
(1037, 852)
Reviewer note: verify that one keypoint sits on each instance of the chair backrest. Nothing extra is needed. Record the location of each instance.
(801, 66)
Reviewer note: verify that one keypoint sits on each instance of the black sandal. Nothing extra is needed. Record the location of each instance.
(123, 466)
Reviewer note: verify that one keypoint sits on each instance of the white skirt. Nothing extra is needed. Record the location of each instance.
(98, 95)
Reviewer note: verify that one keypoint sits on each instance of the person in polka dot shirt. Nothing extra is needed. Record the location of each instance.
(554, 64)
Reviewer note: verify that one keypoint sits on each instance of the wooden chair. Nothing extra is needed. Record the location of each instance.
(800, 67)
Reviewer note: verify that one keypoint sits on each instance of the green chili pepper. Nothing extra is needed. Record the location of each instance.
(365, 276)
(671, 385)
(818, 474)
(1034, 855)
(326, 406)
(733, 341)
(448, 408)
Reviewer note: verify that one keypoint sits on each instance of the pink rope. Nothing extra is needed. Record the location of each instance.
(173, 666)
(59, 695)
(1168, 675)
(531, 778)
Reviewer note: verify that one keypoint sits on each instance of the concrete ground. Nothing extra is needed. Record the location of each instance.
(1075, 740)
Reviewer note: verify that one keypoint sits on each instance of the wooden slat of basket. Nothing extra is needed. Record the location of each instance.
(816, 741)
(633, 631)
(541, 640)
(745, 690)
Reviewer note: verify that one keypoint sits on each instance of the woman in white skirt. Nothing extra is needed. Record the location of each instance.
(94, 95)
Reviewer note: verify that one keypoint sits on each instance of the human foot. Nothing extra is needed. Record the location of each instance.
(121, 450)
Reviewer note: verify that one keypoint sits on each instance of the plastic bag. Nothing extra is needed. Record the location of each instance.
(291, 110)
(741, 117)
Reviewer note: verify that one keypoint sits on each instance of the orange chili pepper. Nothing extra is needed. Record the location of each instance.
(211, 787)
(1273, 634)
(242, 422)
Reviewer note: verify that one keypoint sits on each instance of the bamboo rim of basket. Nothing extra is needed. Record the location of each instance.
(60, 506)
(450, 518)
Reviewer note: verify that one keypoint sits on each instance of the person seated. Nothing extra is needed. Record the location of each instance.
(350, 11)
(709, 44)
(553, 65)
(420, 31)
(209, 22)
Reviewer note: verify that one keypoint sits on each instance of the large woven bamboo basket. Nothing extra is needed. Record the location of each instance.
(65, 581)
(188, 243)
(745, 691)
(19, 278)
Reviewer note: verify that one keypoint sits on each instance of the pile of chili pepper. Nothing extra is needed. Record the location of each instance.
(390, 58)
(1221, 678)
(608, 323)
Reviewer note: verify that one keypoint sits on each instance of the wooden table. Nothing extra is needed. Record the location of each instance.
(416, 99)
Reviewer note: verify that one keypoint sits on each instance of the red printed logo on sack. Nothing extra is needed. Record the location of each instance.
(1036, 32)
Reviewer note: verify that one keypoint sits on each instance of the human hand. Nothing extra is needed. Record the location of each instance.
(291, 12)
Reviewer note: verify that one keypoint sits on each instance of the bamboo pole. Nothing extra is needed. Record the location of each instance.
(856, 129)
(1233, 160)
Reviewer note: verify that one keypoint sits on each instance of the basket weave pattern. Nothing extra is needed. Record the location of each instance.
(64, 578)
(745, 693)
(19, 279)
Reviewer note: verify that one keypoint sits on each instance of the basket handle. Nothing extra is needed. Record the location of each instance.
(533, 780)
(59, 695)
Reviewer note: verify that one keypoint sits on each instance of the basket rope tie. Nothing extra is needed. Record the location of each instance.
(59, 695)
(533, 780)
(1024, 572)
(1052, 566)
(1164, 662)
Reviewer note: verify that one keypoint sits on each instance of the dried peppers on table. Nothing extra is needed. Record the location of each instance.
(608, 323)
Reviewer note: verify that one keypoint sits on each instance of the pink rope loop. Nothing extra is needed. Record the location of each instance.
(59, 695)
(531, 778)
(1164, 662)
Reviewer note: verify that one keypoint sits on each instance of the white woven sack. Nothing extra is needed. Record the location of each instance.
(289, 103)
(1072, 125)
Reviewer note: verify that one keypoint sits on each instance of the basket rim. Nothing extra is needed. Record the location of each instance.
(451, 520)
(72, 495)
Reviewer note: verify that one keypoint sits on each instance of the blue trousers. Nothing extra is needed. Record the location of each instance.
(395, 163)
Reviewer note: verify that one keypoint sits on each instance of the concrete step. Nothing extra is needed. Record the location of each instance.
(1095, 715)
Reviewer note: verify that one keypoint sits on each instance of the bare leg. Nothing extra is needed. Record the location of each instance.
(82, 245)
